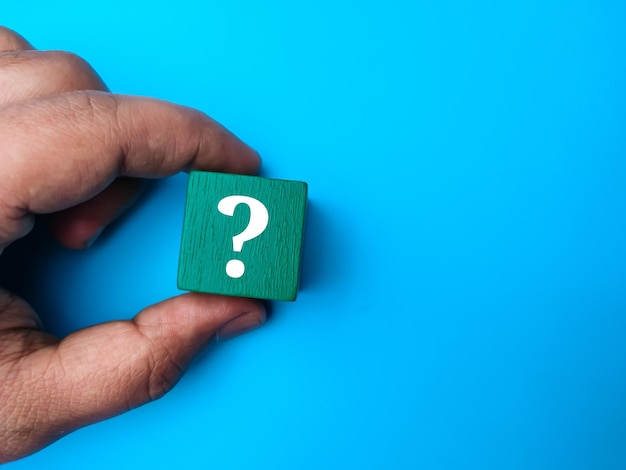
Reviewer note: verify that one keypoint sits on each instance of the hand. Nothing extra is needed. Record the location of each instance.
(71, 149)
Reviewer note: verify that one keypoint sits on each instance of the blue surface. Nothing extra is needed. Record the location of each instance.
(463, 301)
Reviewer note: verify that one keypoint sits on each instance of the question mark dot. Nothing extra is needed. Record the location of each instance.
(235, 268)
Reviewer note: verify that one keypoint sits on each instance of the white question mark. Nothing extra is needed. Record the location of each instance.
(257, 224)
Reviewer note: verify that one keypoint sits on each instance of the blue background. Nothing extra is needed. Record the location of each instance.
(463, 299)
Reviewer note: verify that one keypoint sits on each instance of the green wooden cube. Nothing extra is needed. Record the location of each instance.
(242, 236)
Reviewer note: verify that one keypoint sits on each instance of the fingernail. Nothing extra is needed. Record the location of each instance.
(239, 325)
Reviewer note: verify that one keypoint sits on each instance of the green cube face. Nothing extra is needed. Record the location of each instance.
(242, 236)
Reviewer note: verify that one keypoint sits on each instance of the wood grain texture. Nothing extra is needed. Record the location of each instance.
(271, 259)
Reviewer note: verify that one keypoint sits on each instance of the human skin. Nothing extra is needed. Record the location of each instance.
(73, 150)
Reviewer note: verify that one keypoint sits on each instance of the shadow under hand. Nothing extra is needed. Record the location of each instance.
(34, 267)
(22, 264)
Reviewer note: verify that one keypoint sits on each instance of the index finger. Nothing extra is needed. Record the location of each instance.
(63, 150)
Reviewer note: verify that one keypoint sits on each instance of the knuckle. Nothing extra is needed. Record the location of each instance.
(158, 371)
(68, 60)
(10, 40)
(163, 373)
(74, 70)
(41, 73)
(6, 32)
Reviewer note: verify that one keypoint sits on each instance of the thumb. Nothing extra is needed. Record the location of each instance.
(107, 369)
